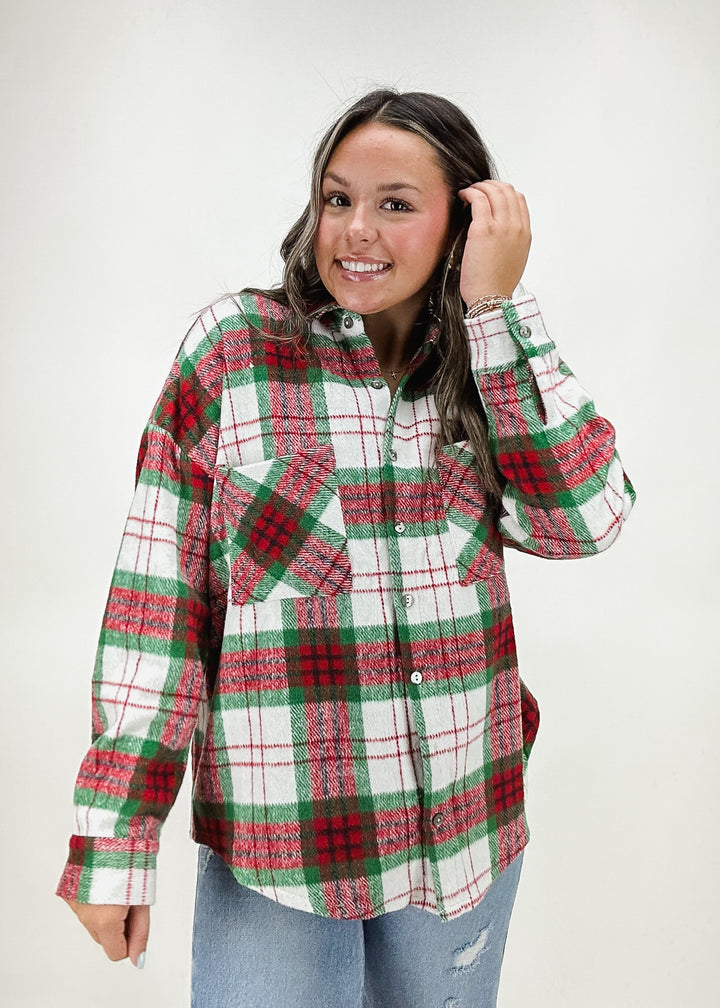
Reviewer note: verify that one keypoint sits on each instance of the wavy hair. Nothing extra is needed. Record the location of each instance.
(463, 159)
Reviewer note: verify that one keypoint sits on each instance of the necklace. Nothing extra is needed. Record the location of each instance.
(398, 372)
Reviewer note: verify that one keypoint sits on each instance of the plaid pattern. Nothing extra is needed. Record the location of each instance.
(310, 598)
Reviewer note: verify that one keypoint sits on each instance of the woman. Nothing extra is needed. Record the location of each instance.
(311, 580)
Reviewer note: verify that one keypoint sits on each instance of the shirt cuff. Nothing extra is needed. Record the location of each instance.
(504, 337)
(110, 870)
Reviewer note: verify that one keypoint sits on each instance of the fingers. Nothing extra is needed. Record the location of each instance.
(121, 930)
(106, 924)
(137, 929)
(496, 201)
(498, 240)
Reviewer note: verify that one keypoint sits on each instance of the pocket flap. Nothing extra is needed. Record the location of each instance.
(284, 524)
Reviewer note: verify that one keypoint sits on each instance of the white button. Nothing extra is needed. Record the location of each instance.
(377, 383)
(407, 601)
(393, 455)
(348, 322)
(399, 527)
(416, 677)
(525, 331)
(437, 820)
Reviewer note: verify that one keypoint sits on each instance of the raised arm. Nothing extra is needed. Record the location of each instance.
(566, 493)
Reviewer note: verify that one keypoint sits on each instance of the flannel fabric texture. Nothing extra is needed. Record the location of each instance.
(310, 598)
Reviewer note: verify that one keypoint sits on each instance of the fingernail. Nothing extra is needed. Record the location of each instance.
(140, 961)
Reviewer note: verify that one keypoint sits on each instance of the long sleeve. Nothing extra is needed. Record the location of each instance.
(566, 494)
(154, 645)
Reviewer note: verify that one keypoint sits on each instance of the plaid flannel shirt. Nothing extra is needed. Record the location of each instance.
(310, 596)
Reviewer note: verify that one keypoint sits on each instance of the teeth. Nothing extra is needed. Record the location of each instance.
(361, 267)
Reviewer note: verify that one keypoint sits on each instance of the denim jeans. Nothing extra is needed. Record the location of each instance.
(251, 952)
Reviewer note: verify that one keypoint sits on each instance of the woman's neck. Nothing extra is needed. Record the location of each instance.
(395, 335)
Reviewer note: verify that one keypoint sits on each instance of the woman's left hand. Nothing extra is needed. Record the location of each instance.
(498, 241)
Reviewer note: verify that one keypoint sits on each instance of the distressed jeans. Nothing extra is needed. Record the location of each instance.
(251, 952)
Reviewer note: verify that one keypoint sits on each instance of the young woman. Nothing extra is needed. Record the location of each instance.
(310, 591)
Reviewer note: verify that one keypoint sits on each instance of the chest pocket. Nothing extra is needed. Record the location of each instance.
(470, 516)
(285, 533)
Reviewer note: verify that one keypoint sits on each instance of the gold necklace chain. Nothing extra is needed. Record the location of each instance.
(394, 373)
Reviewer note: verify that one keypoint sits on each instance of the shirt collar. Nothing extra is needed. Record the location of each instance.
(332, 315)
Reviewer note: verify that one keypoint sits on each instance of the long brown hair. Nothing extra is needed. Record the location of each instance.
(463, 159)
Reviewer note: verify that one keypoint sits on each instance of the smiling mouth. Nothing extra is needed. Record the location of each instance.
(354, 266)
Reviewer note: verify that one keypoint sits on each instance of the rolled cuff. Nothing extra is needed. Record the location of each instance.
(500, 339)
(117, 870)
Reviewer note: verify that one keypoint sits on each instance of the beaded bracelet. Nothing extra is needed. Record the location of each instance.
(485, 304)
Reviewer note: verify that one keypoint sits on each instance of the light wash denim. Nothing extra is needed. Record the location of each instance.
(251, 952)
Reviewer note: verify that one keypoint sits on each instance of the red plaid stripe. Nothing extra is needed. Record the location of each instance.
(504, 791)
(138, 612)
(583, 455)
(508, 392)
(109, 772)
(338, 839)
(180, 413)
(363, 504)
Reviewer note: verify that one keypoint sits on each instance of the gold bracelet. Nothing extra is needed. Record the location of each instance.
(485, 304)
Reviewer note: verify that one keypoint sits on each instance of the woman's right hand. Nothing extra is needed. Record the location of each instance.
(498, 240)
(121, 930)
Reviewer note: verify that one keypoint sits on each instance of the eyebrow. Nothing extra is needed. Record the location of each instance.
(388, 187)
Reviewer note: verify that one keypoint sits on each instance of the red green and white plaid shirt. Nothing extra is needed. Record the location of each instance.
(310, 596)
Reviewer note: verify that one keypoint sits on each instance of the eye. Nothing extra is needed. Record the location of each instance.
(397, 205)
(336, 199)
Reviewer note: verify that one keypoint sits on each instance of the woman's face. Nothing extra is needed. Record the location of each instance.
(384, 223)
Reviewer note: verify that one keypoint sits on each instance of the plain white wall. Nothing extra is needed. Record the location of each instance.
(153, 155)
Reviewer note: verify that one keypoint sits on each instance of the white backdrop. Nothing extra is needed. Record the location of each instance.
(153, 156)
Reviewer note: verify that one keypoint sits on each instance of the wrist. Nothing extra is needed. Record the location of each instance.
(486, 303)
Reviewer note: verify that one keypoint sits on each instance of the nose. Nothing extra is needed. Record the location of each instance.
(360, 227)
